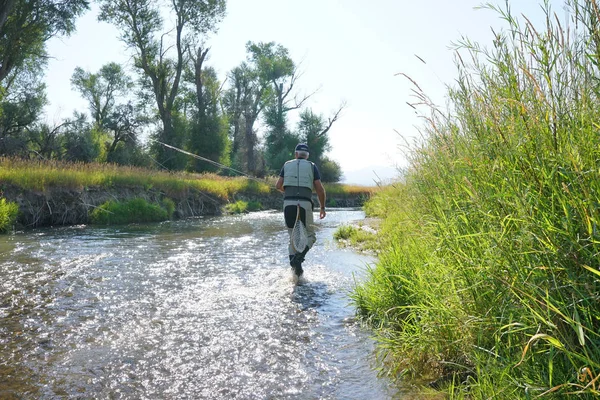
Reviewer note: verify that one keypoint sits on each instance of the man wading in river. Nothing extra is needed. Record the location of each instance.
(297, 179)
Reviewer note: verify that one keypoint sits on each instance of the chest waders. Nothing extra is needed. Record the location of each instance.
(299, 234)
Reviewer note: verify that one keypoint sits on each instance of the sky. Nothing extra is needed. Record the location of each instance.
(349, 51)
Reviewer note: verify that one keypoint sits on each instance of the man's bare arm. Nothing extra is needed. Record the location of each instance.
(279, 184)
(322, 197)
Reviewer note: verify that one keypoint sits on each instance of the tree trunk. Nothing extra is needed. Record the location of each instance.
(198, 78)
(6, 7)
(250, 141)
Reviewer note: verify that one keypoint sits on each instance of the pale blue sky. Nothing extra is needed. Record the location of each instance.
(348, 49)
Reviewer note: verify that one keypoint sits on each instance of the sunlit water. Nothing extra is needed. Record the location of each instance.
(196, 309)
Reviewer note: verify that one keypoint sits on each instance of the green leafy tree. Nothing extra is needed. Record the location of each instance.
(123, 126)
(330, 170)
(233, 101)
(142, 30)
(20, 108)
(45, 140)
(245, 100)
(26, 25)
(101, 89)
(313, 129)
(208, 133)
(80, 141)
(275, 66)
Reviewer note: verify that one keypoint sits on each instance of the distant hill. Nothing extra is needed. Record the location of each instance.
(370, 176)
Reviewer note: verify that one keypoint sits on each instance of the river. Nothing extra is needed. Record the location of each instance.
(201, 308)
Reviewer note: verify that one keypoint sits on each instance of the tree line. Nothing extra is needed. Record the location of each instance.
(171, 96)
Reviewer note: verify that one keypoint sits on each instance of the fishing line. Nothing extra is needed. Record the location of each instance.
(210, 161)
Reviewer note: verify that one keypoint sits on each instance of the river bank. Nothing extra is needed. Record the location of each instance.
(57, 194)
(63, 206)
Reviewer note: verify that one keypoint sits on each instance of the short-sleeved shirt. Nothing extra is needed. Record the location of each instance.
(316, 174)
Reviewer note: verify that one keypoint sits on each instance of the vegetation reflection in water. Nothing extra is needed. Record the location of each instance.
(201, 308)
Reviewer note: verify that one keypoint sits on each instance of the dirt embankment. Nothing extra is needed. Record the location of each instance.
(62, 206)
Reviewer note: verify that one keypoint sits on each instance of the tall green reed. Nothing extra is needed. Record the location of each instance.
(493, 265)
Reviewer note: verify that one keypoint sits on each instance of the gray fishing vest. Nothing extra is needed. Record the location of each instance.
(298, 178)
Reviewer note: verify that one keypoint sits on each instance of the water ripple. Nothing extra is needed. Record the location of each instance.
(202, 308)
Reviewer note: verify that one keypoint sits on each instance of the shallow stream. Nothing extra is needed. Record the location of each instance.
(196, 309)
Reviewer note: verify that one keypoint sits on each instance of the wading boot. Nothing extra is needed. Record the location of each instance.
(296, 265)
(299, 257)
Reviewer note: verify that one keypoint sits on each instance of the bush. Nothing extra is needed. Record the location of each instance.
(8, 215)
(254, 206)
(136, 210)
(239, 207)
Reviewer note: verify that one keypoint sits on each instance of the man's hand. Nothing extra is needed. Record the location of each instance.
(322, 214)
(279, 185)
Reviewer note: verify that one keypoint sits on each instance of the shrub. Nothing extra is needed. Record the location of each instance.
(254, 206)
(8, 215)
(239, 207)
(168, 205)
(136, 210)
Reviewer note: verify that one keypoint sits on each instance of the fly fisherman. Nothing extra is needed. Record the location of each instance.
(297, 179)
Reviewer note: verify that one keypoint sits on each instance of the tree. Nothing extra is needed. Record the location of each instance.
(233, 100)
(79, 141)
(45, 141)
(123, 125)
(245, 100)
(208, 133)
(330, 170)
(101, 89)
(275, 66)
(26, 26)
(20, 108)
(313, 130)
(140, 22)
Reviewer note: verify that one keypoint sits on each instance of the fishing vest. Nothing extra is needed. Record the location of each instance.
(298, 177)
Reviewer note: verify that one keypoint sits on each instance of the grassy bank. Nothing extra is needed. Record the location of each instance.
(40, 175)
(64, 180)
(488, 275)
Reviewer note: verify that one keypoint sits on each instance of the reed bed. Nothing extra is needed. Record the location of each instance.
(489, 272)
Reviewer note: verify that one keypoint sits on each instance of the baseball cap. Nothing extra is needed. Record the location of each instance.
(302, 147)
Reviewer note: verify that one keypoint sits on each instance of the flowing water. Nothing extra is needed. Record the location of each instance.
(197, 309)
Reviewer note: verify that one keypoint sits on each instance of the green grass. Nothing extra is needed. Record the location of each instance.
(135, 210)
(241, 207)
(489, 247)
(41, 175)
(340, 191)
(8, 215)
(359, 237)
